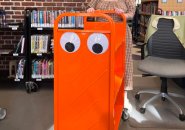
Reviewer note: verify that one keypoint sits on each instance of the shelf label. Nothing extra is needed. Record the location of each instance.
(39, 28)
(38, 79)
(15, 54)
(39, 54)
(14, 28)
(16, 80)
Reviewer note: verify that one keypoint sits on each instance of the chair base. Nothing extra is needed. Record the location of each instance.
(2, 113)
(163, 96)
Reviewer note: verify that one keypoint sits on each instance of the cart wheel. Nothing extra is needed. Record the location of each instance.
(163, 98)
(34, 87)
(28, 90)
(137, 96)
(31, 87)
(142, 110)
(125, 115)
(182, 117)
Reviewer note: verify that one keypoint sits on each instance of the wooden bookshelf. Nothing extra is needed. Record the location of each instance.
(147, 8)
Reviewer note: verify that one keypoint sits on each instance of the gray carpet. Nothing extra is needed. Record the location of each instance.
(26, 111)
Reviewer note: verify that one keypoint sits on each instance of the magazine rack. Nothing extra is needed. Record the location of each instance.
(89, 66)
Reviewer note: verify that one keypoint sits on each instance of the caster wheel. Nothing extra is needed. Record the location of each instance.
(182, 117)
(163, 99)
(142, 110)
(125, 115)
(34, 90)
(28, 90)
(137, 96)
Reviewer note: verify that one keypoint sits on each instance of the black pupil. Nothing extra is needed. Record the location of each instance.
(70, 47)
(97, 48)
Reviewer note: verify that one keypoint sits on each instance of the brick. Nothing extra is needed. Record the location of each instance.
(7, 37)
(59, 4)
(49, 8)
(17, 12)
(79, 1)
(1, 33)
(49, 4)
(17, 3)
(5, 62)
(17, 8)
(58, 8)
(59, 1)
(17, 0)
(41, 8)
(69, 4)
(7, 8)
(27, 3)
(7, 41)
(17, 17)
(38, 4)
(6, 3)
(8, 33)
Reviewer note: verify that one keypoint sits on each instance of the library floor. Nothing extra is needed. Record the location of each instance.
(35, 111)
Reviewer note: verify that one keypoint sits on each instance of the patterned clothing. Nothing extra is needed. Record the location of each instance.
(129, 7)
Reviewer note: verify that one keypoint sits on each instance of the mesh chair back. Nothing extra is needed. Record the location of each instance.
(164, 43)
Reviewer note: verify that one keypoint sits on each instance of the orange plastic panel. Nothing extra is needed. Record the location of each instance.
(88, 87)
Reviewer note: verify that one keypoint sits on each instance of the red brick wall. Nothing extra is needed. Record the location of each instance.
(15, 8)
(15, 13)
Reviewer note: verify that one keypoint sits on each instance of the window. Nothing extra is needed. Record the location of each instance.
(179, 1)
(164, 1)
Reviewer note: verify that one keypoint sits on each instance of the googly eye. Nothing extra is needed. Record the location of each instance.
(97, 43)
(70, 42)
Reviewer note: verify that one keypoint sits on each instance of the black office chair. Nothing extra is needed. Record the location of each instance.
(2, 113)
(166, 59)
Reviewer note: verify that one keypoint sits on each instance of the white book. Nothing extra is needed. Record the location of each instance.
(22, 45)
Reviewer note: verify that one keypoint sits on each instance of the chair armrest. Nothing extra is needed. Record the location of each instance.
(140, 44)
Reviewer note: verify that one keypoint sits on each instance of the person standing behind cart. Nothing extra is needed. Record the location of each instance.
(128, 8)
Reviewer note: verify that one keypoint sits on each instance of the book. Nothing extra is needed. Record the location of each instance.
(22, 45)
(40, 43)
(42, 19)
(19, 45)
(42, 69)
(20, 69)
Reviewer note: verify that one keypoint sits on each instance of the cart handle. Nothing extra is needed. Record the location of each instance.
(111, 12)
(96, 14)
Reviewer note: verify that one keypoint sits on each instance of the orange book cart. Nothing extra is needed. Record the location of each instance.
(89, 66)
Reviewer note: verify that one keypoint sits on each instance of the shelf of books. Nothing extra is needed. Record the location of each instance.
(41, 40)
(14, 57)
(41, 20)
(147, 8)
(41, 45)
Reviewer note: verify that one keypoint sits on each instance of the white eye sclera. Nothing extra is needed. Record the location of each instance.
(70, 42)
(97, 43)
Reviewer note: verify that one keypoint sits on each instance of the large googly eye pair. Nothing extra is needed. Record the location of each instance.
(97, 43)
